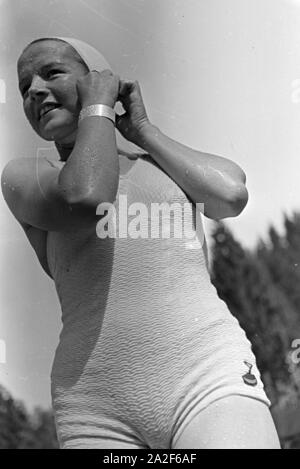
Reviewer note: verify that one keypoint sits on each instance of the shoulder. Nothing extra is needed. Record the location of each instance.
(13, 177)
(29, 189)
(20, 171)
(22, 177)
(14, 166)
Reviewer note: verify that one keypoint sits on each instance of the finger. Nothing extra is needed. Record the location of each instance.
(122, 88)
(125, 87)
(123, 124)
(137, 87)
(125, 101)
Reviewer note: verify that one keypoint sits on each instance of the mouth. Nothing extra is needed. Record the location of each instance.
(46, 109)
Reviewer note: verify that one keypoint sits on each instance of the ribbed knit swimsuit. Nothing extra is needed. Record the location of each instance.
(146, 342)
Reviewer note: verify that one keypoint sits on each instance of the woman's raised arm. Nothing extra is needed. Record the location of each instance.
(214, 181)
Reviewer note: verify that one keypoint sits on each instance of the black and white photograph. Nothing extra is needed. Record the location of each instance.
(150, 226)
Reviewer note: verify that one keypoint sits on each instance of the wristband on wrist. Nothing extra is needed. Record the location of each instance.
(98, 110)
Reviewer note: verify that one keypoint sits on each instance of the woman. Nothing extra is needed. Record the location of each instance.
(148, 356)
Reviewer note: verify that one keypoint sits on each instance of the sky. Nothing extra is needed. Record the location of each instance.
(219, 76)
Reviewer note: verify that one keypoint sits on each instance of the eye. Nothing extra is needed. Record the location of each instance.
(54, 71)
(24, 90)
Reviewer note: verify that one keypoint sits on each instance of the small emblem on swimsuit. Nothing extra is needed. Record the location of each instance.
(249, 378)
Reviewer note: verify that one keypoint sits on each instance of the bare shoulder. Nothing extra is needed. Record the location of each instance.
(32, 192)
(23, 178)
(16, 178)
(17, 170)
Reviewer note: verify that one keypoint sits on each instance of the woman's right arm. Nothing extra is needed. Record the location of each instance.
(91, 173)
(51, 199)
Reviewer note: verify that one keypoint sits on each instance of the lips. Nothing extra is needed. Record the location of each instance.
(46, 108)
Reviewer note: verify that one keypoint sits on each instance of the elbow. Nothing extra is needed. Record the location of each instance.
(228, 206)
(238, 199)
(86, 208)
(89, 201)
(231, 194)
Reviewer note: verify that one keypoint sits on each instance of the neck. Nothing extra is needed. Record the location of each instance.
(64, 150)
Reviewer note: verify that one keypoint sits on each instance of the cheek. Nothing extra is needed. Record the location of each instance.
(66, 93)
(28, 112)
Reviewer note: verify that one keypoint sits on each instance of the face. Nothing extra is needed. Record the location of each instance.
(48, 72)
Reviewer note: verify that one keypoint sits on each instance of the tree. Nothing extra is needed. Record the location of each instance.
(266, 314)
(19, 430)
(282, 258)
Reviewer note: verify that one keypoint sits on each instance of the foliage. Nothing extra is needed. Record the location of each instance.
(261, 289)
(19, 430)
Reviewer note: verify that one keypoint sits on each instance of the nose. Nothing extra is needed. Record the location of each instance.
(38, 88)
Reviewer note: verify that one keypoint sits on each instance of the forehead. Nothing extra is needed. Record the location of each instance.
(39, 54)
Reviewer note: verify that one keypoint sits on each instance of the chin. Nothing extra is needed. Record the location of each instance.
(47, 138)
(59, 135)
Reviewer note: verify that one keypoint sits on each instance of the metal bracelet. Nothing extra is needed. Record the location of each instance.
(98, 110)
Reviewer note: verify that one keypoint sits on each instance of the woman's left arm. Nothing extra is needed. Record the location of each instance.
(214, 181)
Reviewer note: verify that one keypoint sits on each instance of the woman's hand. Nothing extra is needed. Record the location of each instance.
(132, 123)
(98, 88)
